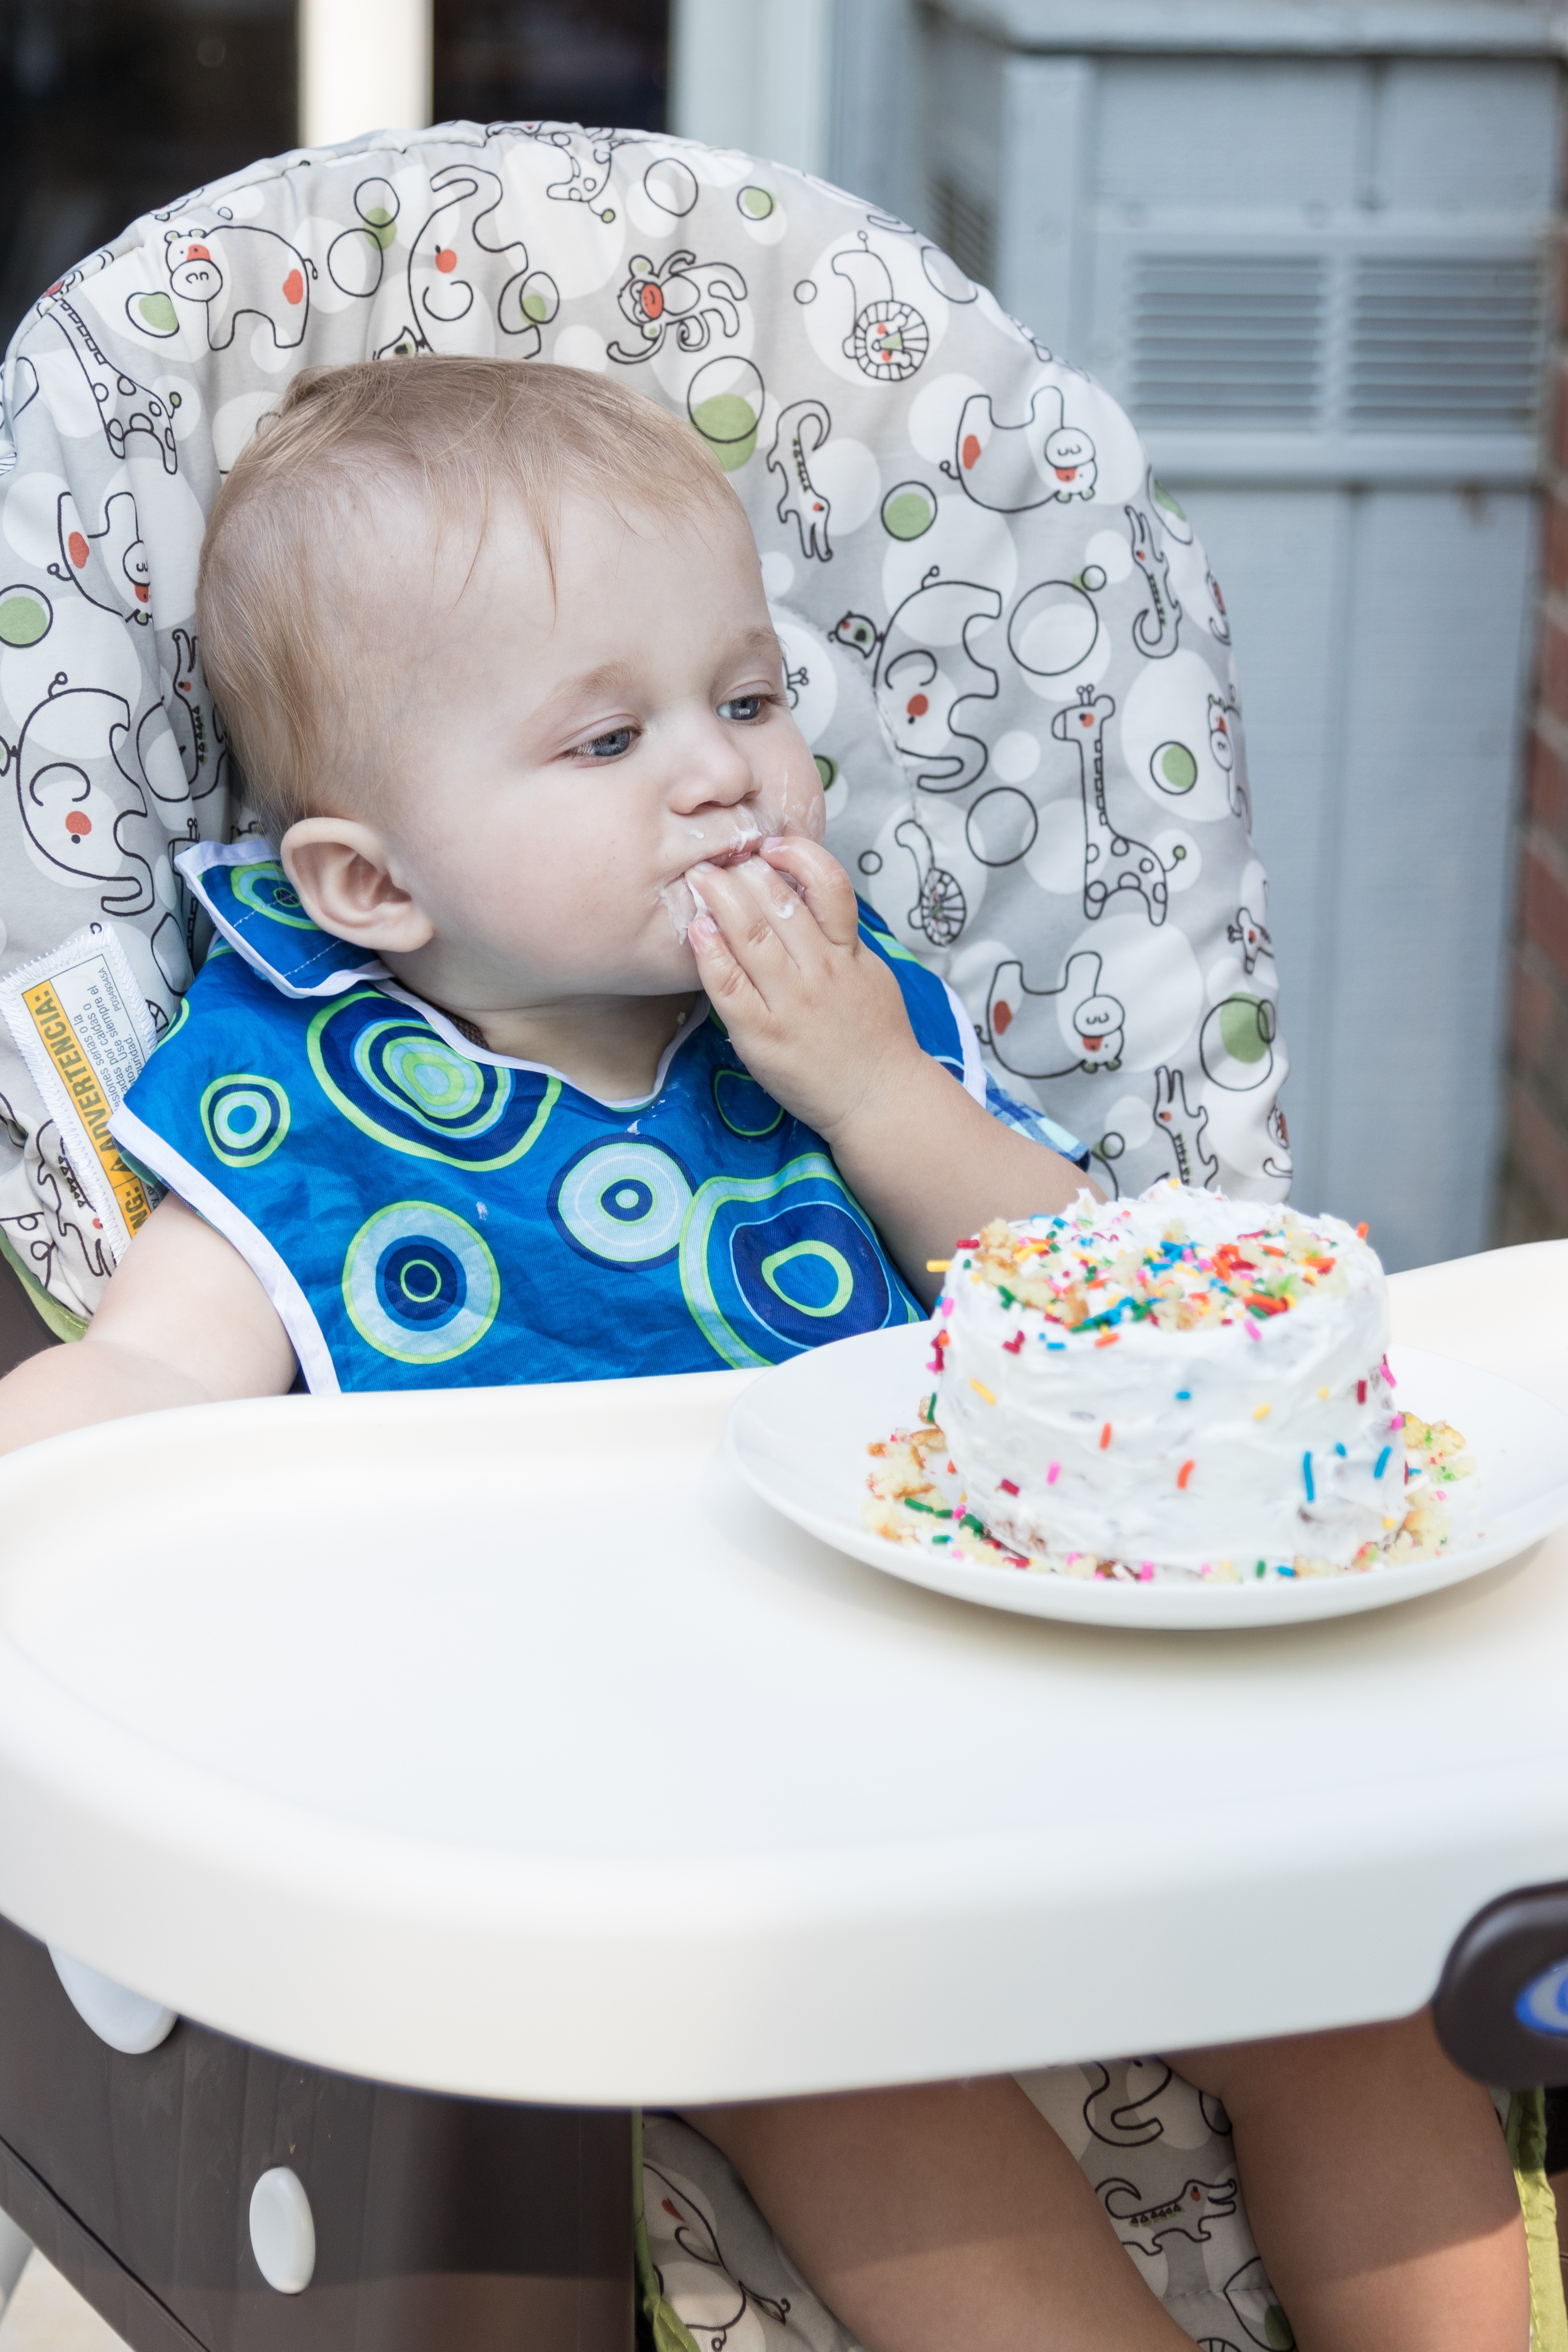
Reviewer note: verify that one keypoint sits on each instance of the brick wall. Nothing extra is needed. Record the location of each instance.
(1534, 1199)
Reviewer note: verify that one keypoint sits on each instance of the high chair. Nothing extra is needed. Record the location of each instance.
(1012, 665)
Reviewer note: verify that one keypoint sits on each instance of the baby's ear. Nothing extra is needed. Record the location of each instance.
(342, 872)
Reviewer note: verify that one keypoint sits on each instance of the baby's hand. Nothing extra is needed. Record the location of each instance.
(816, 1017)
(819, 1020)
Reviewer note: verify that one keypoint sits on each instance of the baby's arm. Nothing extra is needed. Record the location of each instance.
(818, 1019)
(184, 1321)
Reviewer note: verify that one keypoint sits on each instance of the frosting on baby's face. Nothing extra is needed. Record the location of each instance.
(794, 806)
(568, 757)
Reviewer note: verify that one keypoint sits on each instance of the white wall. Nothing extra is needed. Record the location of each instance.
(755, 74)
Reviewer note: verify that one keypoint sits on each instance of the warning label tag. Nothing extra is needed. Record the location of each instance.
(83, 1029)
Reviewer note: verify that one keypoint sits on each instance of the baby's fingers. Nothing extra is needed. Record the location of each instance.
(824, 884)
(727, 986)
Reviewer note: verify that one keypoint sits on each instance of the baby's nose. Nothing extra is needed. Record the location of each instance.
(719, 780)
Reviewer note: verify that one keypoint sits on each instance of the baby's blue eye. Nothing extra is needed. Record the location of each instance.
(743, 707)
(607, 747)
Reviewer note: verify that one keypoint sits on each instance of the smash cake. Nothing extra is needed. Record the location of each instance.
(1173, 1385)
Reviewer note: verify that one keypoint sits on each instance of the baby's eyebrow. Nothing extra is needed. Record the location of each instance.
(757, 641)
(612, 679)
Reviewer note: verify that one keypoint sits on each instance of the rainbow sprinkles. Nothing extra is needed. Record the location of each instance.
(1175, 1385)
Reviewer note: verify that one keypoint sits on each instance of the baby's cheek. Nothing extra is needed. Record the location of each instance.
(792, 802)
(790, 798)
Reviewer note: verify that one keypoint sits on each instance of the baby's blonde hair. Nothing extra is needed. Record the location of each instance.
(308, 706)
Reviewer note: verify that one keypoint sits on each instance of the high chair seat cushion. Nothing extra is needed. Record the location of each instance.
(1004, 643)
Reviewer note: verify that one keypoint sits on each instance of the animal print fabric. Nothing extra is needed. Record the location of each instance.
(1158, 2154)
(1004, 646)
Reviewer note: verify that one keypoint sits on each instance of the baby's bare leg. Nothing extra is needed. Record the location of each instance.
(1378, 2187)
(946, 2214)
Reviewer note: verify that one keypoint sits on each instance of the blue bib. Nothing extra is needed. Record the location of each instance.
(423, 1213)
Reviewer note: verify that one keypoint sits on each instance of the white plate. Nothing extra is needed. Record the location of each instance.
(799, 1435)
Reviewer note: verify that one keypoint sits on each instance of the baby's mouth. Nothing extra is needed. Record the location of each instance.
(782, 809)
(681, 897)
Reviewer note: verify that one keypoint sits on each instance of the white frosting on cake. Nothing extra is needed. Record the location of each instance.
(1112, 1388)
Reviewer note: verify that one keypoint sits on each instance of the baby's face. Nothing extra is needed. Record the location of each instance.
(571, 756)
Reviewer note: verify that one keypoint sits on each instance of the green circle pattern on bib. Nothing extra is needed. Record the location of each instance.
(245, 1118)
(413, 1070)
(265, 889)
(770, 1266)
(745, 1107)
(419, 1284)
(775, 1271)
(622, 1203)
(389, 1073)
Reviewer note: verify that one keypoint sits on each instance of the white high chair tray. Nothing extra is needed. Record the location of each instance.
(504, 1742)
(800, 1432)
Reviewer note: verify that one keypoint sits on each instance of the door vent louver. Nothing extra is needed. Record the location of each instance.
(966, 230)
(1228, 340)
(1347, 342)
(1443, 346)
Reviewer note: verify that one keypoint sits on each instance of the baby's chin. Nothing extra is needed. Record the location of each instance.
(662, 963)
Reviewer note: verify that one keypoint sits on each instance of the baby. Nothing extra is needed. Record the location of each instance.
(556, 1046)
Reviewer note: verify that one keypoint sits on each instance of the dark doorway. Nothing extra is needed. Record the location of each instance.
(601, 62)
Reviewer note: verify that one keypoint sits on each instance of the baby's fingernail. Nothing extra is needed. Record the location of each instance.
(704, 930)
(774, 841)
(703, 865)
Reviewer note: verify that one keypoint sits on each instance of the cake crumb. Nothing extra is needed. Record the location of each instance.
(908, 1505)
